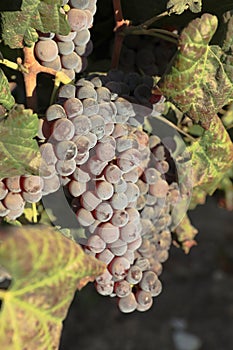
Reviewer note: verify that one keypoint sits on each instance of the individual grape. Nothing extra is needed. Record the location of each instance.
(112, 173)
(84, 82)
(13, 201)
(95, 165)
(118, 248)
(31, 197)
(134, 245)
(14, 214)
(65, 47)
(133, 215)
(151, 283)
(47, 171)
(3, 210)
(131, 176)
(82, 124)
(79, 4)
(127, 160)
(71, 61)
(82, 37)
(142, 263)
(151, 176)
(142, 93)
(104, 277)
(124, 107)
(54, 64)
(89, 18)
(90, 106)
(47, 153)
(46, 50)
(159, 152)
(82, 143)
(84, 50)
(85, 218)
(108, 232)
(77, 19)
(103, 212)
(106, 256)
(143, 187)
(67, 91)
(144, 300)
(150, 200)
(120, 218)
(70, 73)
(82, 158)
(51, 184)
(120, 130)
(119, 201)
(108, 111)
(162, 166)
(156, 266)
(43, 129)
(65, 167)
(129, 255)
(55, 111)
(84, 92)
(97, 126)
(127, 304)
(66, 150)
(13, 184)
(81, 175)
(108, 128)
(68, 37)
(122, 289)
(104, 190)
(159, 189)
(105, 151)
(154, 141)
(129, 232)
(32, 184)
(134, 275)
(63, 129)
(119, 268)
(96, 244)
(89, 201)
(92, 227)
(120, 187)
(105, 289)
(103, 94)
(132, 192)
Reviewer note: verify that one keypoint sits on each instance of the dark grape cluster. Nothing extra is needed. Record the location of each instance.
(114, 175)
(16, 191)
(69, 52)
(146, 55)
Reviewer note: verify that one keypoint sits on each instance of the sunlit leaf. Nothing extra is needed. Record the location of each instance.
(179, 6)
(6, 99)
(46, 269)
(19, 153)
(200, 80)
(18, 27)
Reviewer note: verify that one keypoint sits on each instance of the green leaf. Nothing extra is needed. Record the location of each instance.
(19, 153)
(18, 28)
(46, 269)
(200, 80)
(6, 99)
(212, 157)
(179, 6)
(185, 234)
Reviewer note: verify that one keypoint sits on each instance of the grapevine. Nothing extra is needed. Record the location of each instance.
(107, 160)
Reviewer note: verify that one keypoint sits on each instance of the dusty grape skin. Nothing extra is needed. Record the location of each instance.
(120, 218)
(119, 268)
(122, 289)
(65, 167)
(51, 184)
(118, 248)
(82, 125)
(77, 19)
(127, 304)
(46, 50)
(104, 190)
(85, 218)
(63, 129)
(71, 61)
(89, 201)
(13, 184)
(13, 201)
(108, 232)
(32, 184)
(55, 111)
(96, 244)
(106, 256)
(3, 210)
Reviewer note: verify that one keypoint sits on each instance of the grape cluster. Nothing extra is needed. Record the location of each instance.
(69, 52)
(146, 55)
(16, 191)
(114, 175)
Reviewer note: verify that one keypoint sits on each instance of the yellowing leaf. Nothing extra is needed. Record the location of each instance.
(185, 234)
(212, 157)
(46, 269)
(200, 80)
(6, 99)
(179, 6)
(19, 153)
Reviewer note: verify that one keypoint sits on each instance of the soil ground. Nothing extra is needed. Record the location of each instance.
(197, 290)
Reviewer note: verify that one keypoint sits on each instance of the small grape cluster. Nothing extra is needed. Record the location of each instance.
(146, 55)
(16, 191)
(115, 179)
(69, 52)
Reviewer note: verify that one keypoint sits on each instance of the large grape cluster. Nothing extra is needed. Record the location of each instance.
(69, 52)
(115, 178)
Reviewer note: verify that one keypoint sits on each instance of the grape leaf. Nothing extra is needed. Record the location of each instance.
(19, 153)
(212, 157)
(185, 233)
(18, 28)
(200, 80)
(6, 99)
(46, 269)
(179, 6)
